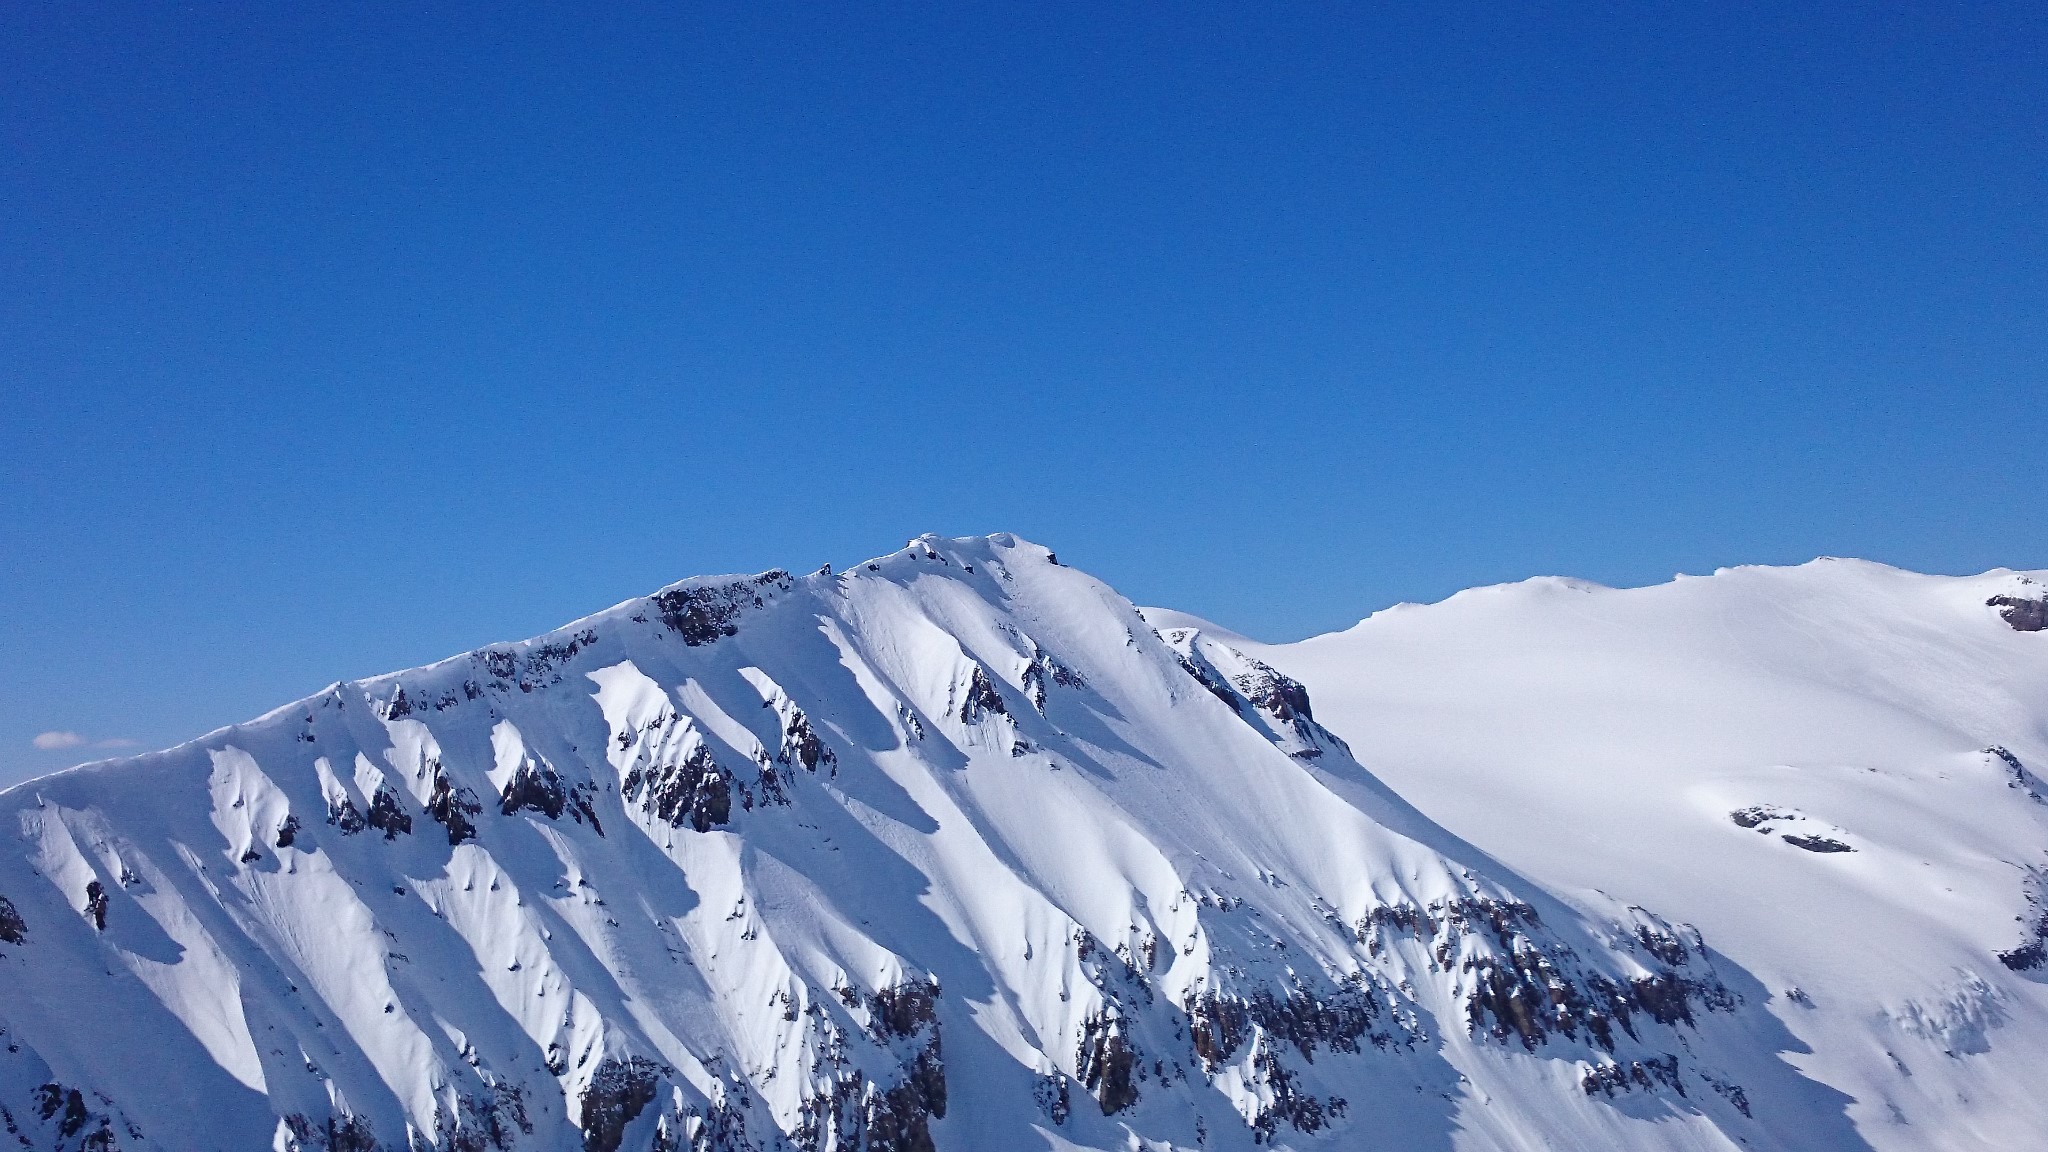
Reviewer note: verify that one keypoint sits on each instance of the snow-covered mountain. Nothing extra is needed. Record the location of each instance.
(960, 850)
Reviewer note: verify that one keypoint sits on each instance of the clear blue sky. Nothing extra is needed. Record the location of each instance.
(337, 339)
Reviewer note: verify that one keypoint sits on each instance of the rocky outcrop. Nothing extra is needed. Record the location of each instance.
(535, 786)
(2031, 954)
(695, 792)
(981, 698)
(13, 929)
(857, 1109)
(338, 1133)
(1105, 1062)
(1046, 669)
(1646, 1074)
(800, 742)
(455, 808)
(2025, 614)
(343, 814)
(704, 613)
(68, 1121)
(528, 669)
(1823, 844)
(388, 814)
(618, 1092)
(1523, 985)
(1219, 1024)
(2017, 775)
(1768, 820)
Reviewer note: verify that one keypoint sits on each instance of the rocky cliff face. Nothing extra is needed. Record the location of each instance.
(951, 851)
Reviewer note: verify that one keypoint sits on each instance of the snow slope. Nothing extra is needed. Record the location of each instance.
(1685, 747)
(955, 851)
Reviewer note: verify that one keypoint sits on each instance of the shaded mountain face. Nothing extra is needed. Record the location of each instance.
(950, 851)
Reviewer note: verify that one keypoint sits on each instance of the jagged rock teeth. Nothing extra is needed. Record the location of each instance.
(980, 698)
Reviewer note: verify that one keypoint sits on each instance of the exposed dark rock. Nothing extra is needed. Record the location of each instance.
(1105, 1062)
(536, 786)
(454, 807)
(53, 1099)
(1050, 1093)
(705, 613)
(898, 1120)
(343, 814)
(981, 698)
(484, 1123)
(2026, 958)
(96, 904)
(1646, 1075)
(1727, 1090)
(1524, 988)
(1758, 816)
(1218, 1024)
(528, 669)
(1818, 844)
(800, 743)
(1668, 947)
(2017, 775)
(1301, 1110)
(2033, 954)
(696, 792)
(618, 1091)
(1207, 678)
(719, 1127)
(906, 1009)
(288, 832)
(1046, 669)
(1269, 690)
(2025, 615)
(399, 706)
(388, 814)
(334, 1134)
(13, 929)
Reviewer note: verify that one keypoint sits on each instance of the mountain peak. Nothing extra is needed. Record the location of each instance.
(953, 849)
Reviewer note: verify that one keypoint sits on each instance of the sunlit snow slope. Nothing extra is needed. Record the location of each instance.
(954, 850)
(1829, 770)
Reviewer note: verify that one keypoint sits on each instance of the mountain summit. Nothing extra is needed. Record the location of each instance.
(957, 850)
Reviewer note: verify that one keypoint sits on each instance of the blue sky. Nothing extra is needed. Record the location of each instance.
(337, 339)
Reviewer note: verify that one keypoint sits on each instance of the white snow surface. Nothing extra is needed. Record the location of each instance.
(960, 850)
(1600, 741)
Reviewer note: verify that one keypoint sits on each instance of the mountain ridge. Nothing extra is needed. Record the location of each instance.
(948, 850)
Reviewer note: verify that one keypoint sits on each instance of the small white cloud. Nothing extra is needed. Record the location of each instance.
(51, 741)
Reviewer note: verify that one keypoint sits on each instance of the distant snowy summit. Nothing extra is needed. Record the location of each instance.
(957, 849)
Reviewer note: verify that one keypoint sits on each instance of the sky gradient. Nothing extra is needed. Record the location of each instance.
(340, 339)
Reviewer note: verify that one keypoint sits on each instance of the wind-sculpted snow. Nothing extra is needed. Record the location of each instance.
(949, 851)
